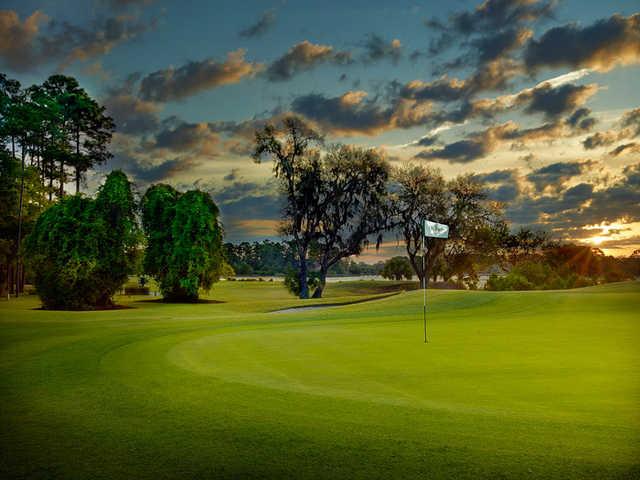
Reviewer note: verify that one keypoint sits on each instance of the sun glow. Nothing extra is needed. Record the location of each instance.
(614, 238)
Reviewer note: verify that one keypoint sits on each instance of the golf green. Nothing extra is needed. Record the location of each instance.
(511, 385)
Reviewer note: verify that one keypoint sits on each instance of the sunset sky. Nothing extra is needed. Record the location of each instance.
(540, 99)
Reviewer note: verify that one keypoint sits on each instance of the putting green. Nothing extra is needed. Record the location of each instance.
(511, 385)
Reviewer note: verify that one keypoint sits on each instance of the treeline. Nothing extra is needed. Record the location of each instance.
(534, 262)
(340, 199)
(271, 258)
(50, 134)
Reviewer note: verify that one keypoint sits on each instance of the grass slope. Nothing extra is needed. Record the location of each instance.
(512, 385)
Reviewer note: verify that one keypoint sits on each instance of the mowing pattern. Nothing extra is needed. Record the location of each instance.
(512, 385)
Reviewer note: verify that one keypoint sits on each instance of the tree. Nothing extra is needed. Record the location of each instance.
(297, 167)
(184, 241)
(396, 268)
(422, 193)
(352, 205)
(82, 250)
(87, 130)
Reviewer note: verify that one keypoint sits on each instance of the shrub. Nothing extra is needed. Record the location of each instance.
(396, 268)
(511, 281)
(292, 281)
(83, 250)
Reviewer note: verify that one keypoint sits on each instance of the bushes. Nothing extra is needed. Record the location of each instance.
(292, 281)
(184, 241)
(537, 276)
(397, 267)
(82, 250)
(511, 281)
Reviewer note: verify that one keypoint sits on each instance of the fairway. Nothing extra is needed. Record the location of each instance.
(512, 385)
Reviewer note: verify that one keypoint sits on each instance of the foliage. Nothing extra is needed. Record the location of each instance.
(396, 268)
(82, 250)
(552, 266)
(353, 205)
(259, 258)
(296, 165)
(184, 241)
(474, 222)
(292, 281)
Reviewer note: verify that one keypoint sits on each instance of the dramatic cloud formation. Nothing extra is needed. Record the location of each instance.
(302, 57)
(352, 114)
(554, 176)
(264, 24)
(195, 77)
(479, 144)
(183, 137)
(628, 127)
(131, 114)
(601, 46)
(553, 102)
(494, 14)
(39, 40)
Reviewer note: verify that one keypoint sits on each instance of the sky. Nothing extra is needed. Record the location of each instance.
(538, 99)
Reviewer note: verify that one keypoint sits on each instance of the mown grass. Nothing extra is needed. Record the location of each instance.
(511, 385)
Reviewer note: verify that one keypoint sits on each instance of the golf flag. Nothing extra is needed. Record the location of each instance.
(436, 230)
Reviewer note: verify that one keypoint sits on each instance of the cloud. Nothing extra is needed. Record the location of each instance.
(555, 175)
(131, 114)
(628, 126)
(376, 49)
(601, 46)
(39, 40)
(625, 149)
(263, 25)
(197, 138)
(479, 144)
(18, 49)
(145, 171)
(581, 119)
(304, 56)
(495, 14)
(501, 185)
(352, 114)
(565, 210)
(194, 77)
(493, 76)
(553, 102)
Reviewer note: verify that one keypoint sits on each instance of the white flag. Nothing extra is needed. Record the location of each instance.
(436, 230)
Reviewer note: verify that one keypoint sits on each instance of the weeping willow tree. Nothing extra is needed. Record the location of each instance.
(184, 241)
(82, 250)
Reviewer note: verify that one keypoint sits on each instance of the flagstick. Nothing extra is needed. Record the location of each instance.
(424, 286)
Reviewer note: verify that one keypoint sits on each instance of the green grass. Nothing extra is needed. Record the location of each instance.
(512, 385)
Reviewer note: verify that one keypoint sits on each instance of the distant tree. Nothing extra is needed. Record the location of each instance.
(82, 250)
(297, 167)
(396, 268)
(184, 241)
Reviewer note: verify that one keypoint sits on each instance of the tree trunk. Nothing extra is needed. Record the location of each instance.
(77, 161)
(61, 192)
(304, 286)
(323, 282)
(19, 240)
